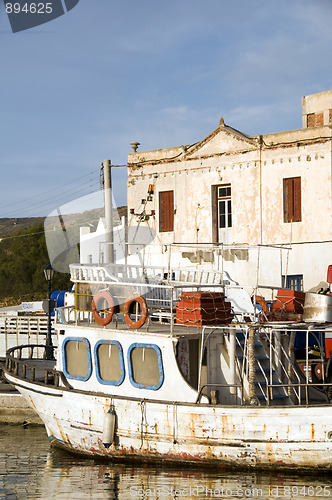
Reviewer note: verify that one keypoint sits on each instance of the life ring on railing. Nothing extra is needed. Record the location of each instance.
(96, 310)
(127, 311)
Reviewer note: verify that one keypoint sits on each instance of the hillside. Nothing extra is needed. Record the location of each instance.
(23, 256)
(11, 225)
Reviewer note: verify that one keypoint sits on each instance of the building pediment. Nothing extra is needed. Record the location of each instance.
(222, 140)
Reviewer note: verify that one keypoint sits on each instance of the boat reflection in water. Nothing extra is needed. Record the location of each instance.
(66, 475)
(30, 470)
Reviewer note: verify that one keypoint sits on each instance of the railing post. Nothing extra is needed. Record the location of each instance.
(251, 365)
(232, 364)
(291, 389)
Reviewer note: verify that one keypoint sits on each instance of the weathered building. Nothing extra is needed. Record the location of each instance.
(235, 190)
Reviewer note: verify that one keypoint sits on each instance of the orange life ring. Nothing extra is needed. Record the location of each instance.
(103, 295)
(126, 311)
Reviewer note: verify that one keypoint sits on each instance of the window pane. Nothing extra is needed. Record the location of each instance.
(145, 366)
(109, 362)
(224, 191)
(293, 282)
(222, 214)
(229, 207)
(77, 362)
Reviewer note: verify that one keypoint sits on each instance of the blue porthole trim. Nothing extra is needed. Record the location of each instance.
(64, 358)
(96, 358)
(160, 366)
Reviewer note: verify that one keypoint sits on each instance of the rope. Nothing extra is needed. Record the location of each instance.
(203, 308)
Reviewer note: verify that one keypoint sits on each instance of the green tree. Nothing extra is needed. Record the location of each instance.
(23, 256)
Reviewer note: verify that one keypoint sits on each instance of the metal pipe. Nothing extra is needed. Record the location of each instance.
(232, 364)
(108, 212)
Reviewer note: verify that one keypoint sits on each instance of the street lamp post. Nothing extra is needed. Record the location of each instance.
(49, 274)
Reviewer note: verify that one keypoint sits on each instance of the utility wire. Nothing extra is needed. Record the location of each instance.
(78, 190)
(46, 192)
(90, 185)
(59, 199)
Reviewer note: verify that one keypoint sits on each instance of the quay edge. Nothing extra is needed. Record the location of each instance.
(14, 409)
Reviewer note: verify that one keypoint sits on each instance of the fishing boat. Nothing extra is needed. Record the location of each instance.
(158, 364)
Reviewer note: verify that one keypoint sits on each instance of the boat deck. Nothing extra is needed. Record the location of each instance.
(153, 327)
(168, 327)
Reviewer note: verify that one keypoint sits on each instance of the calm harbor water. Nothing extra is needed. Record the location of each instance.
(30, 470)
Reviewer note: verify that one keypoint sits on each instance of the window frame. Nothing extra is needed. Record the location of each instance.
(297, 278)
(64, 358)
(216, 215)
(160, 366)
(96, 359)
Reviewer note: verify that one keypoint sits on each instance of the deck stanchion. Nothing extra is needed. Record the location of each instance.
(251, 366)
(232, 363)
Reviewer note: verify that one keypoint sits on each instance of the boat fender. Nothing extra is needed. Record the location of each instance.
(103, 295)
(144, 311)
(109, 427)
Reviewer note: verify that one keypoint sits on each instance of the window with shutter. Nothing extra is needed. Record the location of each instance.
(166, 211)
(292, 199)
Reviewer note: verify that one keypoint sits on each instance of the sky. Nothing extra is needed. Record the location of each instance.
(79, 89)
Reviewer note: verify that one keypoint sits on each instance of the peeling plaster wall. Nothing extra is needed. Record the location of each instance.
(311, 162)
(317, 109)
(255, 167)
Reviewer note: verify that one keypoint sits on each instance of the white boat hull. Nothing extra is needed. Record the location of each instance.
(265, 437)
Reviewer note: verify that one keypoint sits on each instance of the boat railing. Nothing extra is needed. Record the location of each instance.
(24, 362)
(281, 362)
(133, 273)
(276, 372)
(243, 365)
(27, 329)
(301, 387)
(161, 300)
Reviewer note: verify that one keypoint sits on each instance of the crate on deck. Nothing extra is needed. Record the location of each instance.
(203, 309)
